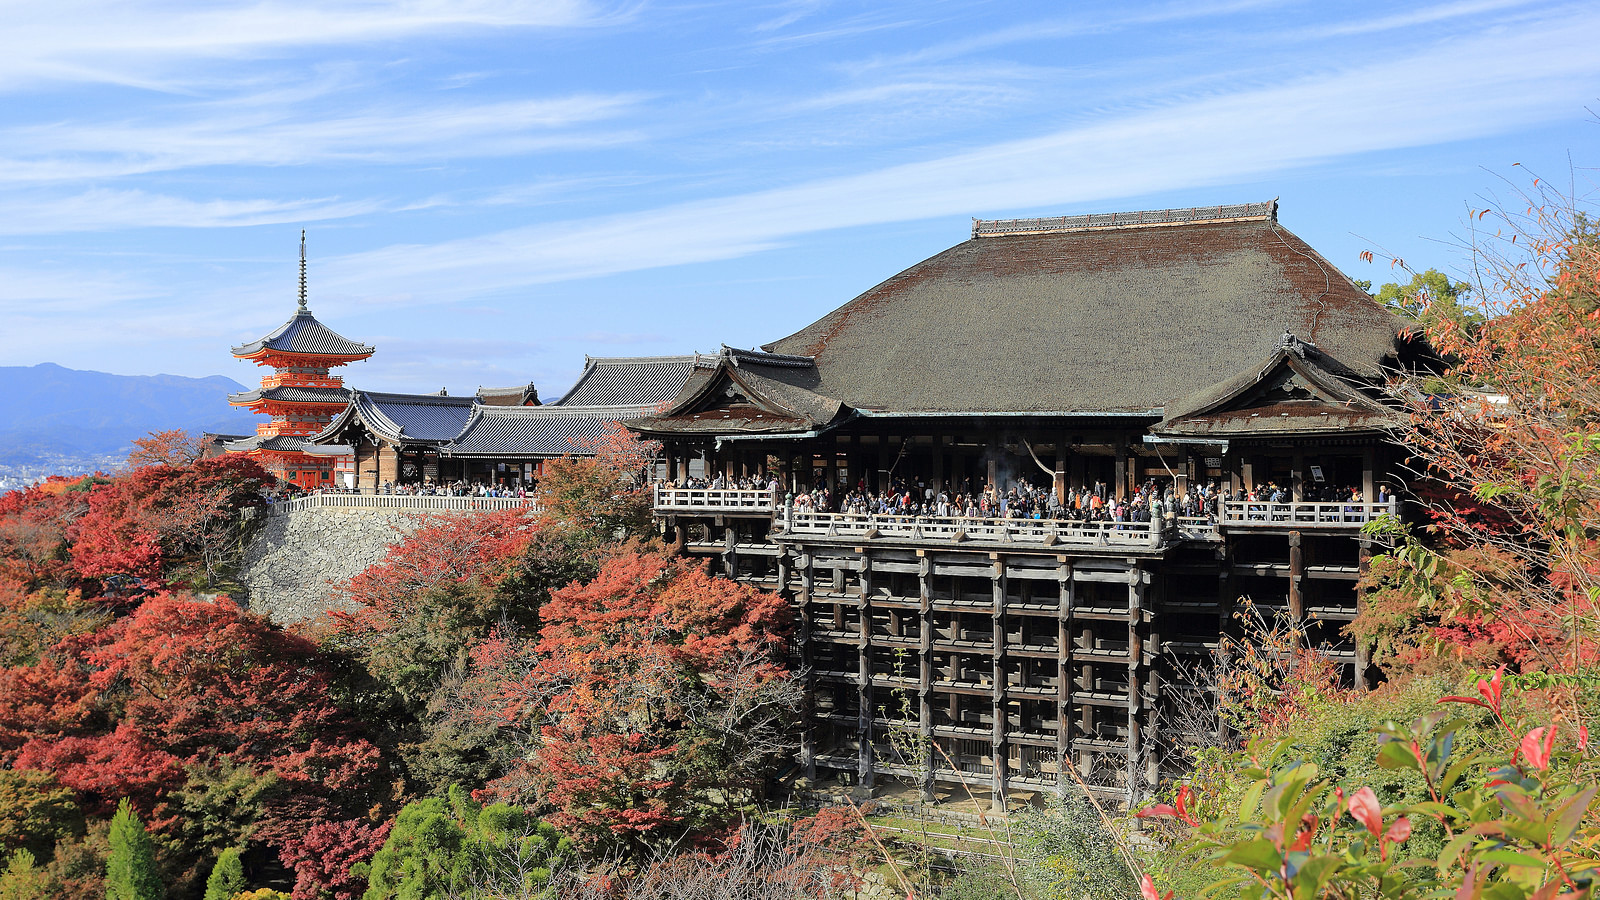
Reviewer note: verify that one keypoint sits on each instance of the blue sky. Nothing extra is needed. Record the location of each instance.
(493, 190)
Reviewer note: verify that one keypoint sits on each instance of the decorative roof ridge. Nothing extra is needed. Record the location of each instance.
(1194, 215)
(551, 409)
(418, 399)
(767, 358)
(504, 390)
(590, 361)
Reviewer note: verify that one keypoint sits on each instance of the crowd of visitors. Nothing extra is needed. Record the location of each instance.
(1153, 501)
(1020, 500)
(461, 488)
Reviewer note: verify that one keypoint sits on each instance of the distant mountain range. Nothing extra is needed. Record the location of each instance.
(55, 420)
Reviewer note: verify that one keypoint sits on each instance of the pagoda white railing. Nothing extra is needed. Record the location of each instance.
(671, 499)
(1262, 514)
(417, 502)
(1041, 532)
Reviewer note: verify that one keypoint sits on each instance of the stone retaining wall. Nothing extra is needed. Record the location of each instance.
(293, 561)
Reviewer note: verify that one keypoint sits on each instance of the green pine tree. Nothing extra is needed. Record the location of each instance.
(23, 880)
(131, 868)
(227, 876)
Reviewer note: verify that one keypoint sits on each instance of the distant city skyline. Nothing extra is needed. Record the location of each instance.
(494, 190)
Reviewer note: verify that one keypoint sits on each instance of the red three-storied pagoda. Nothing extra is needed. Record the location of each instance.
(300, 395)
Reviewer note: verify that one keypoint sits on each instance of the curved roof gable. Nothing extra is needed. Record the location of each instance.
(1122, 312)
(403, 418)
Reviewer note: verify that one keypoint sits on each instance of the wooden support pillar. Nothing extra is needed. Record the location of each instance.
(1060, 482)
(672, 462)
(880, 477)
(1369, 492)
(865, 764)
(1064, 657)
(1135, 681)
(808, 736)
(1297, 476)
(1297, 569)
(1075, 466)
(998, 751)
(1151, 698)
(830, 459)
(1363, 673)
(925, 679)
(1247, 473)
(1226, 596)
(938, 463)
(1123, 469)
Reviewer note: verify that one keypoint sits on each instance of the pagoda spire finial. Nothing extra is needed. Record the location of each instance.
(302, 270)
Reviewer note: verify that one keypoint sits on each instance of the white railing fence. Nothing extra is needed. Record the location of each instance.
(1045, 532)
(709, 500)
(419, 503)
(1337, 515)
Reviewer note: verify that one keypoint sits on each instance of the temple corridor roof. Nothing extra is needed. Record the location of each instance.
(632, 380)
(536, 431)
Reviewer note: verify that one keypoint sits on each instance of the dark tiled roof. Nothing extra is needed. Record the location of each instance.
(632, 380)
(291, 393)
(1298, 417)
(517, 395)
(304, 334)
(779, 390)
(1089, 319)
(404, 418)
(1298, 389)
(282, 443)
(536, 431)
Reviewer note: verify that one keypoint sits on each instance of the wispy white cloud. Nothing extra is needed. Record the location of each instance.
(143, 44)
(104, 209)
(278, 136)
(1451, 91)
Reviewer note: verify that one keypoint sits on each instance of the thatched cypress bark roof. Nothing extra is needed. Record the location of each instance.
(1091, 316)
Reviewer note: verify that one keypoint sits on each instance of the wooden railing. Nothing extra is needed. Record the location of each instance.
(1262, 514)
(420, 503)
(671, 499)
(1042, 532)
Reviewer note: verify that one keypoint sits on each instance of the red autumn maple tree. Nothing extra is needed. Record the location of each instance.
(154, 521)
(175, 448)
(1511, 444)
(654, 698)
(124, 711)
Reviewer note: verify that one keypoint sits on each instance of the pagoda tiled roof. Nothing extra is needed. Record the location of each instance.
(303, 334)
(282, 443)
(632, 380)
(537, 431)
(292, 393)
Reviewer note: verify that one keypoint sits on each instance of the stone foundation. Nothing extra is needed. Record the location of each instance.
(293, 561)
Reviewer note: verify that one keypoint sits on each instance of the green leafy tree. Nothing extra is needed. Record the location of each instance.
(1510, 822)
(23, 880)
(131, 872)
(227, 876)
(1430, 298)
(35, 812)
(453, 846)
